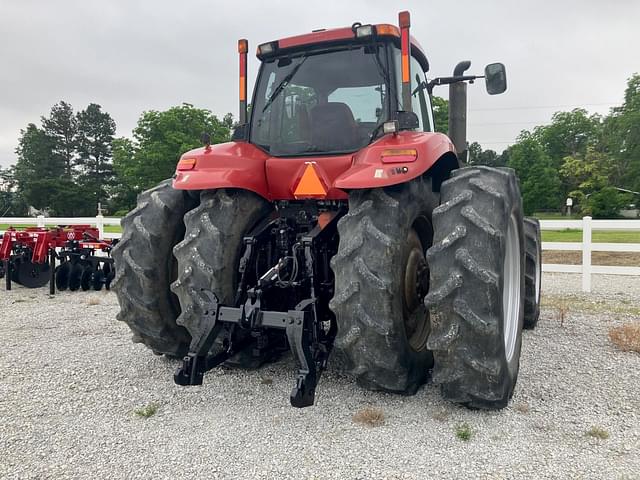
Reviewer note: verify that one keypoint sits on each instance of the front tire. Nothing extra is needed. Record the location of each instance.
(476, 298)
(381, 277)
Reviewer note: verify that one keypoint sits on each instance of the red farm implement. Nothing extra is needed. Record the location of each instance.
(29, 258)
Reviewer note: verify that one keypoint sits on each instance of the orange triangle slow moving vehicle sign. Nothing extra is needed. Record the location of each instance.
(310, 184)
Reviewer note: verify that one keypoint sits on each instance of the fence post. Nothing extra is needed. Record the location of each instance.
(586, 254)
(100, 225)
(40, 221)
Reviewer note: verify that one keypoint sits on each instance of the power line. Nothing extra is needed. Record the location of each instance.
(541, 122)
(540, 107)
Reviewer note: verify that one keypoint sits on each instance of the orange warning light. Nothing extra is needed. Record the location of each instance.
(310, 184)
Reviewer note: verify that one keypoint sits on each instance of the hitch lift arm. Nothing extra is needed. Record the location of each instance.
(310, 344)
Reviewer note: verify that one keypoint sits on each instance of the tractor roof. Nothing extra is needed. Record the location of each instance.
(343, 35)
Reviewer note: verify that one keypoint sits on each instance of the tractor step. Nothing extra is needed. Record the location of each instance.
(298, 325)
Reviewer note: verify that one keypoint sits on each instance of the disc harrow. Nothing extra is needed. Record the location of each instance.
(29, 258)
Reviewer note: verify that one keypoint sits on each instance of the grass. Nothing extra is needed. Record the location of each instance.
(597, 236)
(370, 417)
(107, 228)
(597, 432)
(555, 216)
(626, 337)
(463, 432)
(573, 303)
(147, 411)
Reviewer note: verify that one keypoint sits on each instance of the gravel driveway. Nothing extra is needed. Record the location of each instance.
(71, 382)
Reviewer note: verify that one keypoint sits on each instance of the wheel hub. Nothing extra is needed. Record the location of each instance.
(416, 286)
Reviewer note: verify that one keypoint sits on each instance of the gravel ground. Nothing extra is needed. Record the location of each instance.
(71, 381)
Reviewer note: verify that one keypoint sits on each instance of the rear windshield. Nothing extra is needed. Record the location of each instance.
(321, 103)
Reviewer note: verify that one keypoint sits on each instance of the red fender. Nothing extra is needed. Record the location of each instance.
(243, 165)
(225, 165)
(370, 169)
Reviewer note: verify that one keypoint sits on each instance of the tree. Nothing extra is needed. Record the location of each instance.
(62, 127)
(607, 203)
(11, 202)
(477, 156)
(124, 193)
(95, 134)
(586, 173)
(159, 139)
(569, 133)
(622, 138)
(539, 182)
(440, 114)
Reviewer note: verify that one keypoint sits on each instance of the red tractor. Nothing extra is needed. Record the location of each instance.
(339, 225)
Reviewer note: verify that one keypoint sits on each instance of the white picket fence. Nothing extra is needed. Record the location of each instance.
(587, 225)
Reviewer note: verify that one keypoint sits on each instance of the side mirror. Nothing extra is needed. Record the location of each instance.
(240, 133)
(407, 120)
(495, 77)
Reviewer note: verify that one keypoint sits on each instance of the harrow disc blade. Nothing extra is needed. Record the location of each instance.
(97, 279)
(62, 276)
(15, 266)
(108, 273)
(85, 279)
(75, 277)
(32, 275)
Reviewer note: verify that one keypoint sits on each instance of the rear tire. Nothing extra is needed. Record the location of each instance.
(382, 325)
(533, 272)
(145, 267)
(477, 287)
(209, 255)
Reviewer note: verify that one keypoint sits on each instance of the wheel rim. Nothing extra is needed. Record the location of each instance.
(416, 286)
(511, 288)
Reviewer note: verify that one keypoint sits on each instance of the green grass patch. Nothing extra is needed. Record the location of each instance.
(555, 216)
(463, 432)
(107, 228)
(597, 432)
(597, 236)
(147, 411)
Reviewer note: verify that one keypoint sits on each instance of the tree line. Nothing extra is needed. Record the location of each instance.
(73, 161)
(592, 159)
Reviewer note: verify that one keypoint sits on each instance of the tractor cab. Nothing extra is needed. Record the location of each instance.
(326, 96)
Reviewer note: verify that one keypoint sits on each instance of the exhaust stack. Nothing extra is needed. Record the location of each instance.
(458, 111)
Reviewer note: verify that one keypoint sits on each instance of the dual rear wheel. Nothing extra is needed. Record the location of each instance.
(425, 281)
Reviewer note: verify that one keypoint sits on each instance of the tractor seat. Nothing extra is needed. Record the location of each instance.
(333, 127)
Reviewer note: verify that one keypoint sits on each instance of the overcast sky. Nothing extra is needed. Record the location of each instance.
(130, 56)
